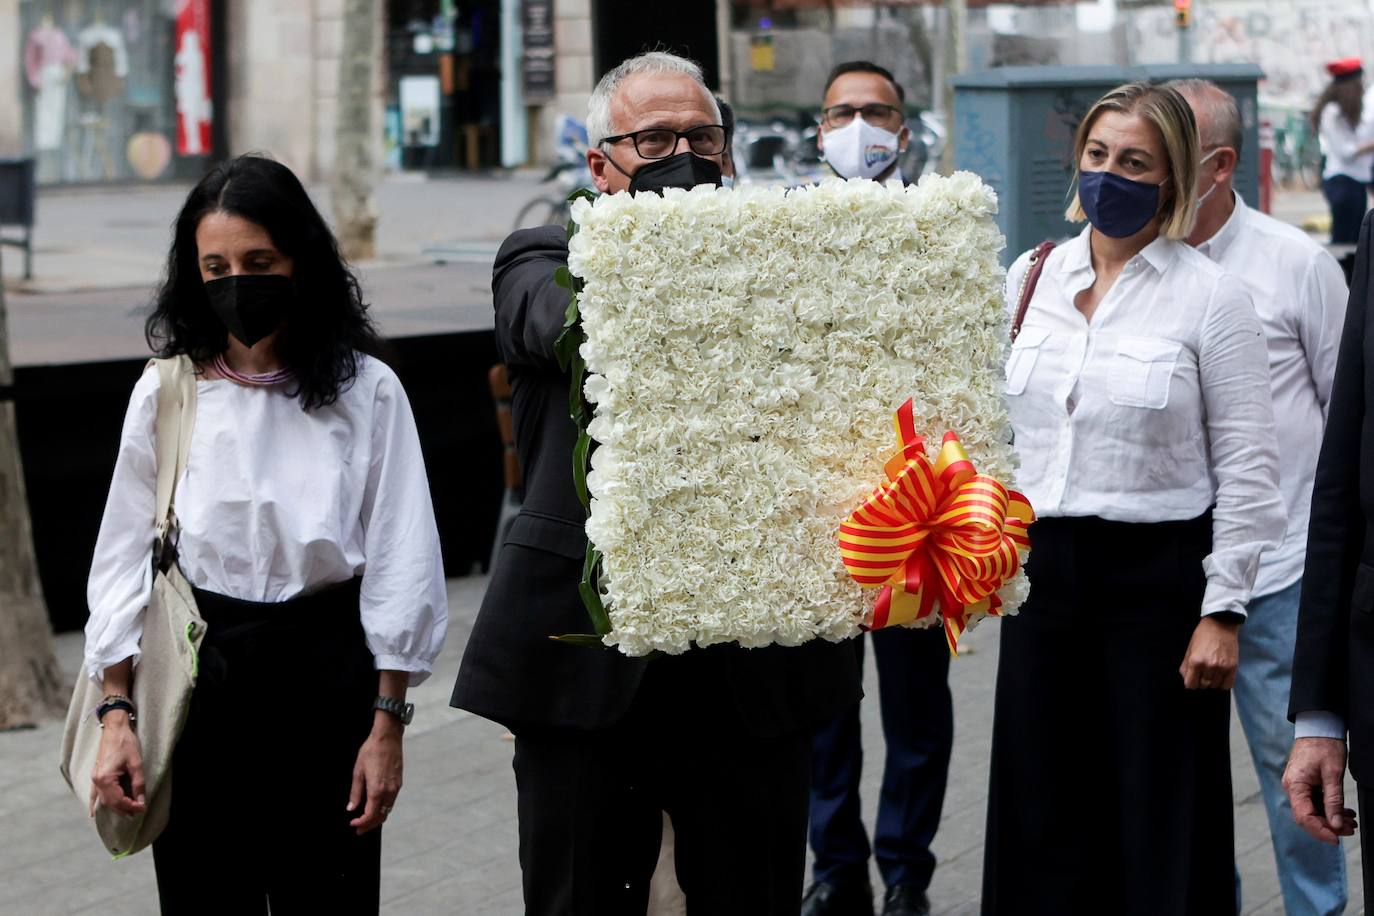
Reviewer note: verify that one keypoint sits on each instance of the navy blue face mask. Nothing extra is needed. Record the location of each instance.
(1117, 207)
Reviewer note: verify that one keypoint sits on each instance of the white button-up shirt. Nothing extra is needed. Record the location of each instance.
(1299, 292)
(276, 503)
(1156, 410)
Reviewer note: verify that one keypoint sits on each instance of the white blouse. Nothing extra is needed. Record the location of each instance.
(1155, 410)
(1339, 142)
(277, 502)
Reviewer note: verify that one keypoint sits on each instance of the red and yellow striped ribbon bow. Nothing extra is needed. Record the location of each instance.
(935, 535)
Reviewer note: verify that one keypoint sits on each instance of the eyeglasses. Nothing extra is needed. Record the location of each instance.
(660, 142)
(874, 113)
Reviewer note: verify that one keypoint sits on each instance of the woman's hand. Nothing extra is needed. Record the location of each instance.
(377, 773)
(117, 780)
(1212, 656)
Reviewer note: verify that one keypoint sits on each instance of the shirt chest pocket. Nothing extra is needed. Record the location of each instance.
(1141, 371)
(1024, 352)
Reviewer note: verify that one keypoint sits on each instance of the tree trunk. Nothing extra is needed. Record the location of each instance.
(354, 178)
(31, 685)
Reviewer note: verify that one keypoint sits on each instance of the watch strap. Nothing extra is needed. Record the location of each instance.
(398, 708)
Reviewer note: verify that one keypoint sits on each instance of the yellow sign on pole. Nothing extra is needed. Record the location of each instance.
(761, 56)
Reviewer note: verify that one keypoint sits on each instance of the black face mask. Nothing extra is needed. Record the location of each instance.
(251, 306)
(685, 170)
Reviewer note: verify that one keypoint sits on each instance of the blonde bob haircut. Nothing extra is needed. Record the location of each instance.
(1170, 115)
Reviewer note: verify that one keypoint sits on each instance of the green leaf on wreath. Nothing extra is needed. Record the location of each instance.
(580, 452)
(577, 403)
(566, 346)
(563, 277)
(590, 640)
(591, 590)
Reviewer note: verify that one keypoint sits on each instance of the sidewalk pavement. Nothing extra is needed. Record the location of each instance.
(451, 845)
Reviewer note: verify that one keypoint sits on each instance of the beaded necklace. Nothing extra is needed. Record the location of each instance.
(267, 378)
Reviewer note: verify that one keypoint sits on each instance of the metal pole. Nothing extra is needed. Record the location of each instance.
(955, 62)
(1185, 37)
(514, 120)
(725, 51)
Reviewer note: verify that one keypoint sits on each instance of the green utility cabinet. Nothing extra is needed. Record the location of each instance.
(1014, 127)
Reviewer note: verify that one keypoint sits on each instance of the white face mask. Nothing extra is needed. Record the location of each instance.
(1214, 184)
(860, 150)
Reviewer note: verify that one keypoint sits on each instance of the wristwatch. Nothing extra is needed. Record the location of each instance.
(398, 708)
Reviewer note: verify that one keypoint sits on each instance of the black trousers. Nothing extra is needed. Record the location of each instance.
(262, 772)
(591, 804)
(1110, 787)
(918, 734)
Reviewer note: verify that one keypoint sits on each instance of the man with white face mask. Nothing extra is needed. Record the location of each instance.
(862, 135)
(1299, 292)
(863, 125)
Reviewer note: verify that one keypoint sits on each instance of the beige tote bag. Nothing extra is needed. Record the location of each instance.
(172, 632)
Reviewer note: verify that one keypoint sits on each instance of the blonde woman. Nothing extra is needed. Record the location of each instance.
(1139, 397)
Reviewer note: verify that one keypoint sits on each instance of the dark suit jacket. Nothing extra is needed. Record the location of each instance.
(1333, 661)
(511, 671)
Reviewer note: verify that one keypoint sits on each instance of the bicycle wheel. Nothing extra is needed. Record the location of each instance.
(542, 211)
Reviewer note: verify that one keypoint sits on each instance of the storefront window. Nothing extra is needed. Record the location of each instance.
(116, 90)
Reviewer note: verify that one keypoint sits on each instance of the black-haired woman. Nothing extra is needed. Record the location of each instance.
(307, 531)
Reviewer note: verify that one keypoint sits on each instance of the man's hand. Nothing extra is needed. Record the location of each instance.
(1212, 656)
(1318, 765)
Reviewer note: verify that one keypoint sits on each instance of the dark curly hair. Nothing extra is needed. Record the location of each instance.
(328, 324)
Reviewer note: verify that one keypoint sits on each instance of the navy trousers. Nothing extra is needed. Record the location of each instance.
(1348, 200)
(918, 729)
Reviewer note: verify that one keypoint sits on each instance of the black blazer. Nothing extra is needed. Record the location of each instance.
(511, 671)
(1333, 660)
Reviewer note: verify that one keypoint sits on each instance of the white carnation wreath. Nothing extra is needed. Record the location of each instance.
(745, 352)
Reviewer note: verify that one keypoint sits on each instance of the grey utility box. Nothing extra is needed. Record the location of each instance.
(1014, 127)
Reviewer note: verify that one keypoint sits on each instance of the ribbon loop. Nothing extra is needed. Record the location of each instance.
(935, 537)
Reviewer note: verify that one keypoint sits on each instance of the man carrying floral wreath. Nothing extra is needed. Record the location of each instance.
(717, 737)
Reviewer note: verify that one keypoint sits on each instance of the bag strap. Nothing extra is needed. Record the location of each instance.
(1028, 281)
(176, 419)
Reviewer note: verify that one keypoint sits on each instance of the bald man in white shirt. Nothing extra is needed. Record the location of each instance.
(1300, 294)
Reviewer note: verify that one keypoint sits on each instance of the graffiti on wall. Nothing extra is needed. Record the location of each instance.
(1290, 40)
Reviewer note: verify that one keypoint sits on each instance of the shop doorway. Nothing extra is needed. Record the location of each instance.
(444, 80)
